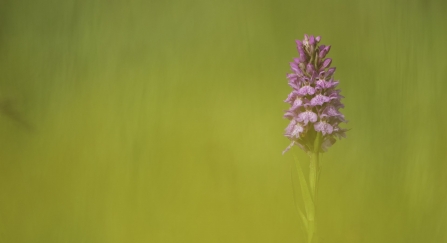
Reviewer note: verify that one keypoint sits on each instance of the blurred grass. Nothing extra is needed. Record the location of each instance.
(161, 121)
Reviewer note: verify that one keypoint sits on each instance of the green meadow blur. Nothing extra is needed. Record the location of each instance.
(161, 121)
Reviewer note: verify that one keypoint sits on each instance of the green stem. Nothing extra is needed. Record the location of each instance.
(314, 175)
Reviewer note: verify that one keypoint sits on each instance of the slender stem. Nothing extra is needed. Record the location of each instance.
(314, 174)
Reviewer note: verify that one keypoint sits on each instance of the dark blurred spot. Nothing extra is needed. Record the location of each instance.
(8, 110)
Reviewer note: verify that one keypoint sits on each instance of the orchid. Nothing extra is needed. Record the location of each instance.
(315, 116)
(315, 100)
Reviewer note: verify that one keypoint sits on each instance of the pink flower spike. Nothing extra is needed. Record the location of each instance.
(315, 101)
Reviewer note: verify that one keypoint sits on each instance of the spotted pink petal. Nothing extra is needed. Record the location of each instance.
(290, 97)
(319, 100)
(323, 127)
(290, 127)
(306, 90)
(297, 130)
(306, 117)
(297, 103)
(331, 111)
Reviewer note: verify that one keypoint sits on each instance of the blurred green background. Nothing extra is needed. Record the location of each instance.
(161, 121)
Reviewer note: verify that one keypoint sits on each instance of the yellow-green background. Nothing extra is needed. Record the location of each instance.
(161, 121)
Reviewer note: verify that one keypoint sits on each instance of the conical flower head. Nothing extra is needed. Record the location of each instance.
(314, 100)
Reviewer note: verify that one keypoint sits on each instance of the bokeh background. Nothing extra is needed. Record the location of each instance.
(161, 121)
